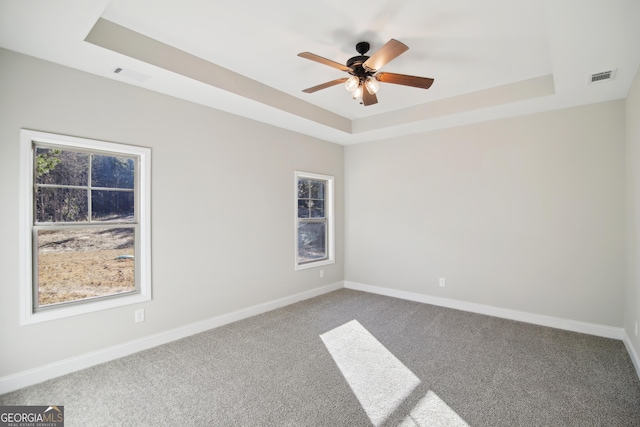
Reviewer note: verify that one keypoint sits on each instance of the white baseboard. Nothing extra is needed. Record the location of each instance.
(632, 352)
(536, 319)
(37, 375)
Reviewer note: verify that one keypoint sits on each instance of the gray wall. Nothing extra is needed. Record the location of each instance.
(222, 205)
(632, 297)
(526, 213)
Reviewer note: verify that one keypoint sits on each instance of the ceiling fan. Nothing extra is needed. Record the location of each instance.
(365, 78)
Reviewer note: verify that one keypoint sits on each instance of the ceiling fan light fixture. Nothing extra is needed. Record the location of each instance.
(372, 85)
(352, 83)
(357, 93)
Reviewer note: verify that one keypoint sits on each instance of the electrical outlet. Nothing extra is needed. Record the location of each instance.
(321, 273)
(139, 315)
(441, 282)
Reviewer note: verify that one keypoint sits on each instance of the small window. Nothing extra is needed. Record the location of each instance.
(314, 220)
(85, 225)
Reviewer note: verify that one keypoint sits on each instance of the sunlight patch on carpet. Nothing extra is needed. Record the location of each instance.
(433, 412)
(381, 382)
(378, 379)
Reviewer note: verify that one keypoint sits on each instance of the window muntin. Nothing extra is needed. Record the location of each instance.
(314, 220)
(86, 222)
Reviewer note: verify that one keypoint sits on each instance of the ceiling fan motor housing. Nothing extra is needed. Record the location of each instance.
(356, 62)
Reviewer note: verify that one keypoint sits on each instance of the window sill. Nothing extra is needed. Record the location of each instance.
(315, 264)
(82, 308)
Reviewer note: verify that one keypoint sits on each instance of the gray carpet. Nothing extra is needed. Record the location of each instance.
(275, 370)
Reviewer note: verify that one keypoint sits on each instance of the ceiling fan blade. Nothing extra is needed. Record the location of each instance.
(368, 98)
(392, 49)
(325, 85)
(325, 61)
(403, 79)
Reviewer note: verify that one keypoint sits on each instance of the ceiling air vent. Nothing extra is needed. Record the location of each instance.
(602, 76)
(131, 75)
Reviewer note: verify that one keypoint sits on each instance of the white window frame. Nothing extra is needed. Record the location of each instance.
(143, 234)
(329, 214)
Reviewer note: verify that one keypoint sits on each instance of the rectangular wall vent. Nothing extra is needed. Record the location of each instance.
(602, 76)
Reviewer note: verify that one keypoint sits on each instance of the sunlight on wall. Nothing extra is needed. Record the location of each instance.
(380, 381)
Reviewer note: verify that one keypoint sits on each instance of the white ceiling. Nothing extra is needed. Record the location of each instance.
(490, 59)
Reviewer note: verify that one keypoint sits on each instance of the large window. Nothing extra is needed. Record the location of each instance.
(314, 220)
(85, 225)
